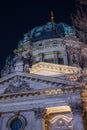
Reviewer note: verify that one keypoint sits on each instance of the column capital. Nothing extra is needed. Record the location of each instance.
(40, 113)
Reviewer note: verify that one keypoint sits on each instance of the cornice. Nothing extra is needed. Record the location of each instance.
(57, 69)
(43, 93)
(38, 78)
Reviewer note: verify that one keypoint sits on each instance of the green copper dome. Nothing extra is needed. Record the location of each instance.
(50, 30)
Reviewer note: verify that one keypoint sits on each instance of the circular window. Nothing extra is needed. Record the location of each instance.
(16, 124)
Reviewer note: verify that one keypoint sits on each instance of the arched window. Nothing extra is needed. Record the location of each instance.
(16, 123)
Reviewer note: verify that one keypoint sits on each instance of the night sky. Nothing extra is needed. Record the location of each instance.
(18, 17)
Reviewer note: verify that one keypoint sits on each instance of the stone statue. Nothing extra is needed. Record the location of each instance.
(26, 68)
(26, 37)
(20, 44)
(18, 52)
(75, 58)
(5, 71)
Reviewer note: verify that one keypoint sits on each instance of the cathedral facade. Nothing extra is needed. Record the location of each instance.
(43, 85)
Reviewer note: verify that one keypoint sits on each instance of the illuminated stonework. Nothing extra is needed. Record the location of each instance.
(43, 85)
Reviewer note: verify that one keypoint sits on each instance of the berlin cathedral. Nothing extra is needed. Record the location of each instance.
(43, 85)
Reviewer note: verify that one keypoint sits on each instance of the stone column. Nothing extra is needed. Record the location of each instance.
(55, 57)
(77, 116)
(40, 114)
(42, 55)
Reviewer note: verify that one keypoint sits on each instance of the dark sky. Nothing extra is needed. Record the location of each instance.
(18, 17)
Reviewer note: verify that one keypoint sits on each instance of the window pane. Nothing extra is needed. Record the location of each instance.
(60, 61)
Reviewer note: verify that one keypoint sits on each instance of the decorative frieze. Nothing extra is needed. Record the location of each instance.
(32, 94)
(57, 69)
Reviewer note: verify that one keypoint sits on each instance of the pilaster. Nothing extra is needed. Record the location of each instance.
(40, 114)
(77, 116)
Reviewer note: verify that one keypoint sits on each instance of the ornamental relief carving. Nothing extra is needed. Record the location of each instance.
(60, 122)
(18, 84)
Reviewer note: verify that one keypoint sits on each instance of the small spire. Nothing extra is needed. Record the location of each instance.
(52, 17)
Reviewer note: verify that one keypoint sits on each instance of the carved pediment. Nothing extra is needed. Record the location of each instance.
(23, 82)
(18, 84)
